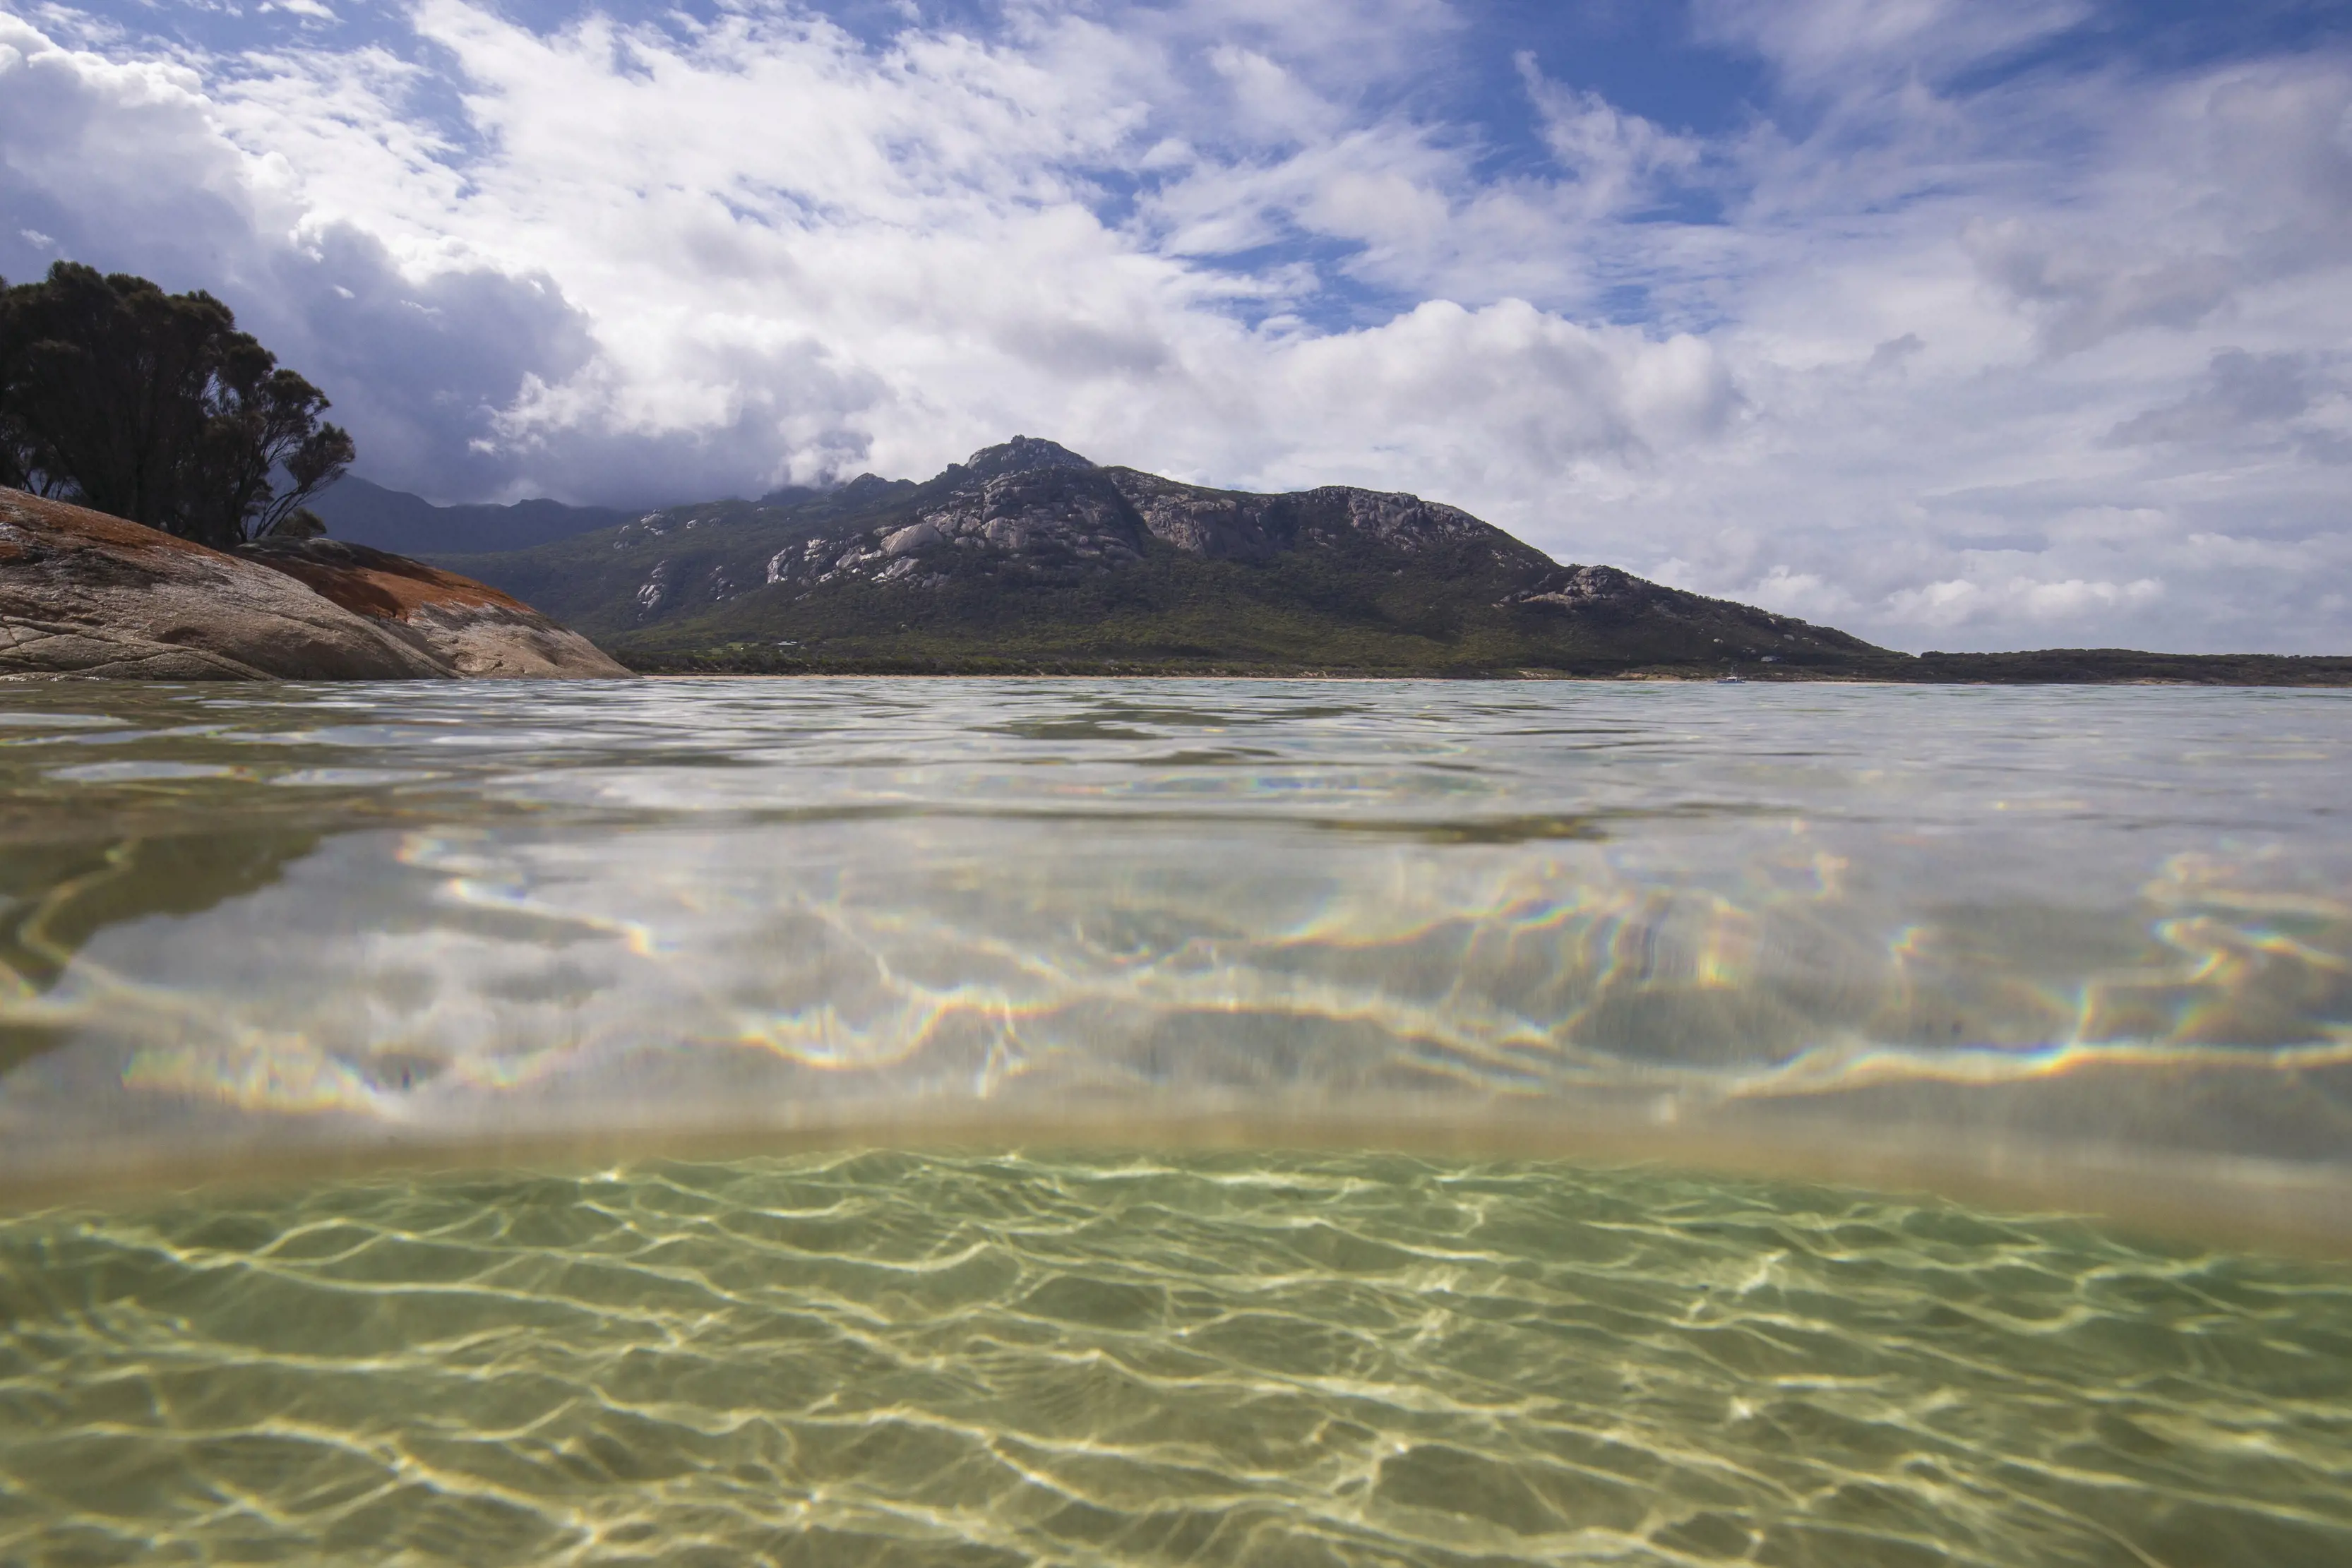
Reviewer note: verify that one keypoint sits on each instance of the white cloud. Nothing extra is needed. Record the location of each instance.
(1957, 602)
(2049, 357)
(1616, 158)
(1828, 43)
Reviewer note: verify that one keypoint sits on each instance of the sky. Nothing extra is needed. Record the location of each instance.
(1958, 324)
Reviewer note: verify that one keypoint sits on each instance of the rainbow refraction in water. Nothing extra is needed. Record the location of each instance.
(1503, 959)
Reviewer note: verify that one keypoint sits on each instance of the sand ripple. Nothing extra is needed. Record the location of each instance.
(1342, 1359)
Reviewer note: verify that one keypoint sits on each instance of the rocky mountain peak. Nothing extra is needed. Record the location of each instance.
(1020, 455)
(1032, 553)
(864, 487)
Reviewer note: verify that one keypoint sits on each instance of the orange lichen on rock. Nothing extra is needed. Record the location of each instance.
(373, 583)
(82, 593)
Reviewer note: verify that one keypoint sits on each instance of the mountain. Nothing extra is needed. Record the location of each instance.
(359, 513)
(1029, 557)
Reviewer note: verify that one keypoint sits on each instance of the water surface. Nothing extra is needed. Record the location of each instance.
(1052, 1122)
(2093, 935)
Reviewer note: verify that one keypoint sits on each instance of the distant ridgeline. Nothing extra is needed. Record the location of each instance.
(1028, 557)
(362, 514)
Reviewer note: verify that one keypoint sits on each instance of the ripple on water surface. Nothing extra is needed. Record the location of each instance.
(2073, 948)
(1337, 1359)
(2005, 929)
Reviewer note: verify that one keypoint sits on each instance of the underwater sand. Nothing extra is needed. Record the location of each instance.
(878, 1358)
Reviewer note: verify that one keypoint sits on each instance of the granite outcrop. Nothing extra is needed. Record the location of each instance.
(82, 593)
(1027, 556)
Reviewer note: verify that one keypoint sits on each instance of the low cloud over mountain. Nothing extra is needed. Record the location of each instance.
(2012, 322)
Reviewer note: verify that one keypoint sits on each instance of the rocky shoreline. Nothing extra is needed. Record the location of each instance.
(85, 594)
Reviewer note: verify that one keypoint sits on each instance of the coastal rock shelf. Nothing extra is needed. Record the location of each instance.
(82, 593)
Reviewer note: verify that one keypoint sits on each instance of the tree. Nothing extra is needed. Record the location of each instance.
(154, 407)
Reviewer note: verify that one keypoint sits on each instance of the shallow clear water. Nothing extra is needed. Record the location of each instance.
(1246, 1358)
(1480, 946)
(2081, 936)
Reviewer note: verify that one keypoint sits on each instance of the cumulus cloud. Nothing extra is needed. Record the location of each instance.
(1936, 346)
(131, 164)
(1956, 602)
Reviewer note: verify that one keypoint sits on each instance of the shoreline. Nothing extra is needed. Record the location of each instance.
(2221, 670)
(1360, 678)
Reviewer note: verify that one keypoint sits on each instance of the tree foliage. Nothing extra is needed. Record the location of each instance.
(154, 407)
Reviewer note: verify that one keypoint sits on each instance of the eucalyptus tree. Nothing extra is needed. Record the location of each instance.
(154, 407)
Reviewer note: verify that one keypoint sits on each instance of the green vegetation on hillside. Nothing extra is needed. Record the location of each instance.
(1029, 560)
(1176, 611)
(2083, 666)
(710, 588)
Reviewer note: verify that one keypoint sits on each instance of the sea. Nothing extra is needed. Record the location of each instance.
(1067, 1124)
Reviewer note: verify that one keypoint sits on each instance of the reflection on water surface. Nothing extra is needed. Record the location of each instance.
(2005, 929)
(2051, 949)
